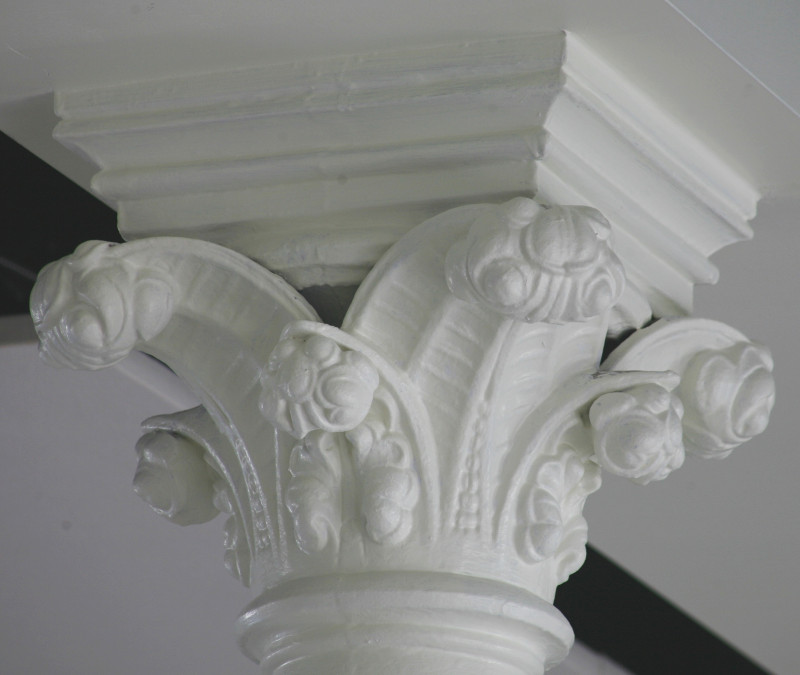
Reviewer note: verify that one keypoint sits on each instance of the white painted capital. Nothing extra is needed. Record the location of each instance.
(405, 491)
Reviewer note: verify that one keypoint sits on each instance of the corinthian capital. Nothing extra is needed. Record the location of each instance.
(520, 231)
(434, 452)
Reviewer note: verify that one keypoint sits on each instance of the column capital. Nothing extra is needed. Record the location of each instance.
(408, 486)
(450, 430)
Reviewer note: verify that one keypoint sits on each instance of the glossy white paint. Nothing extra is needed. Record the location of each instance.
(721, 539)
(315, 168)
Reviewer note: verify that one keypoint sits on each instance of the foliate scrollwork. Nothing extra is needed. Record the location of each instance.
(537, 264)
(728, 395)
(456, 423)
(207, 312)
(726, 382)
(637, 432)
(331, 398)
(313, 495)
(189, 472)
(176, 479)
(92, 309)
(553, 467)
(550, 523)
(384, 495)
(311, 383)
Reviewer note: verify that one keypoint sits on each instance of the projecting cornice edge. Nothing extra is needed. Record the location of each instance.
(314, 169)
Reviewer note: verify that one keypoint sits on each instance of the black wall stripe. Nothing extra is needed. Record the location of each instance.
(615, 614)
(45, 216)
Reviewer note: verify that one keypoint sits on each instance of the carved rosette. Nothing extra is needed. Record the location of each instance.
(312, 384)
(637, 433)
(433, 453)
(537, 264)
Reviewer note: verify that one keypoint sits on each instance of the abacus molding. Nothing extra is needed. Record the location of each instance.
(405, 491)
(315, 169)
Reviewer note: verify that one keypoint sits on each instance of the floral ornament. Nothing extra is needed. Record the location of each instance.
(637, 433)
(312, 383)
(532, 263)
(550, 522)
(728, 395)
(90, 310)
(174, 479)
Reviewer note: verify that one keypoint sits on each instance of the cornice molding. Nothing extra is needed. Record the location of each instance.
(346, 154)
(370, 145)
(671, 200)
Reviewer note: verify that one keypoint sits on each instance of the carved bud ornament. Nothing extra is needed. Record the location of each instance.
(533, 264)
(174, 479)
(92, 309)
(637, 433)
(428, 459)
(729, 394)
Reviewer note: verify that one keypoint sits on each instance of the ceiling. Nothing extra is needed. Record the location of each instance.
(718, 539)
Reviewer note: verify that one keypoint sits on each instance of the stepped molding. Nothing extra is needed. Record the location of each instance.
(314, 169)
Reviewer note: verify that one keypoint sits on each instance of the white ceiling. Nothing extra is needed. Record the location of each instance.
(90, 581)
(761, 38)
